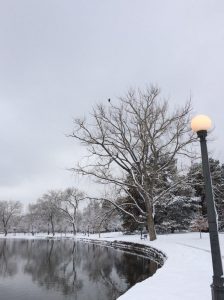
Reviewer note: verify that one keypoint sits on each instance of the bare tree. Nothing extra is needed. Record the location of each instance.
(199, 224)
(32, 218)
(9, 212)
(69, 203)
(47, 208)
(130, 139)
(91, 217)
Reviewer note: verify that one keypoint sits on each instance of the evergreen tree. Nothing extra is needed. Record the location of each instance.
(178, 214)
(195, 177)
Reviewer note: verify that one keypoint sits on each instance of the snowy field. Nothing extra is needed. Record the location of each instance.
(186, 274)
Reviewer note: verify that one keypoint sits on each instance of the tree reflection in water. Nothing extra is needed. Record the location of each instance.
(74, 269)
(8, 264)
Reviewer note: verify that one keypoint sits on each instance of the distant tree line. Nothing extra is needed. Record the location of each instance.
(59, 211)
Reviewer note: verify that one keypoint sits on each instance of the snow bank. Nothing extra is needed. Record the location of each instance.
(139, 249)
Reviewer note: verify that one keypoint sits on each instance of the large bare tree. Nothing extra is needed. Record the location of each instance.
(129, 139)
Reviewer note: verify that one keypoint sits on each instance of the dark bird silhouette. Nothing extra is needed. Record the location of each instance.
(109, 100)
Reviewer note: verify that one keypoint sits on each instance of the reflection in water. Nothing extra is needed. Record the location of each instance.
(8, 265)
(64, 269)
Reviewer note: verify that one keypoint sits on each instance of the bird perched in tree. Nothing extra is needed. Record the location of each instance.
(109, 100)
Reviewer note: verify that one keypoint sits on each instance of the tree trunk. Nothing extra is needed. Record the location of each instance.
(52, 226)
(74, 229)
(151, 226)
(5, 231)
(150, 219)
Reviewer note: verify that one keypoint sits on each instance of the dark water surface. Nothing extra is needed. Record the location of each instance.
(64, 269)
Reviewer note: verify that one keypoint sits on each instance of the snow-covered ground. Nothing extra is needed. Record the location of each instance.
(186, 274)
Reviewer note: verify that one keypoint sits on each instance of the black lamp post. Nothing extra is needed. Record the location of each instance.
(201, 124)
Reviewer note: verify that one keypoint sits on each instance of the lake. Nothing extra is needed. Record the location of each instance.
(64, 269)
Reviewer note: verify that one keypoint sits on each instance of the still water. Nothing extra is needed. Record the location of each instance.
(64, 269)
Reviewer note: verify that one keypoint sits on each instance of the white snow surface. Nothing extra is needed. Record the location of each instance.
(185, 275)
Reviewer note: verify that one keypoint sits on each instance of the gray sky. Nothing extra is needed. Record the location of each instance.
(58, 58)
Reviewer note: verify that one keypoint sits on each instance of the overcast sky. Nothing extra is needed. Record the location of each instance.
(58, 58)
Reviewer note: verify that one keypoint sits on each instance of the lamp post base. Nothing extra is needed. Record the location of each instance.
(218, 291)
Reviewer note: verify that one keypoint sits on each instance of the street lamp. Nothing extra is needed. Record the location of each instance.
(201, 124)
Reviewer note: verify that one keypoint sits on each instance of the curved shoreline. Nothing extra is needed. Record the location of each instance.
(137, 249)
(133, 248)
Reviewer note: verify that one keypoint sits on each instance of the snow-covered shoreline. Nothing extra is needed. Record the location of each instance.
(186, 274)
(135, 248)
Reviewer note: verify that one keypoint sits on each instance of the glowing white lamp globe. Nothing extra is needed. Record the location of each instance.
(201, 122)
